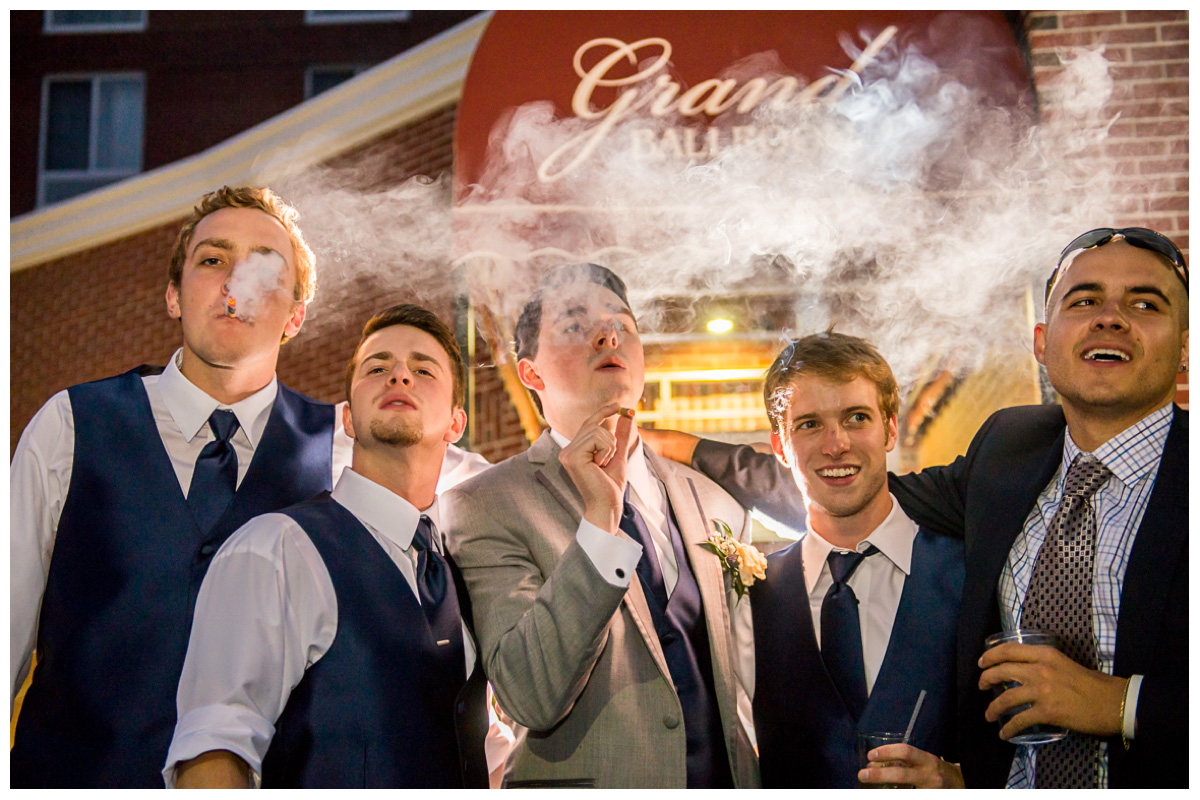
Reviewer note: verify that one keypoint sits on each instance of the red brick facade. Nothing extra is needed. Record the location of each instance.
(101, 311)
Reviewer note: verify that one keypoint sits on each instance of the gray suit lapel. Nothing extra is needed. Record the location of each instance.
(694, 527)
(543, 454)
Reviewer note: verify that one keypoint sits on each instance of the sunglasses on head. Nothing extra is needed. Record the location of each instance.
(1138, 237)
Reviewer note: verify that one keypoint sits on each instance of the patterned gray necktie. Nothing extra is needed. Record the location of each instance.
(1060, 600)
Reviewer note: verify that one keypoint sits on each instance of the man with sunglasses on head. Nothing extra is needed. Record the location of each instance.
(1102, 478)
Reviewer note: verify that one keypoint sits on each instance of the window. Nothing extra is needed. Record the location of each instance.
(339, 17)
(94, 21)
(91, 133)
(327, 76)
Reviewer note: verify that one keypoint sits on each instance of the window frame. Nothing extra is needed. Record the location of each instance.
(45, 175)
(355, 17)
(52, 27)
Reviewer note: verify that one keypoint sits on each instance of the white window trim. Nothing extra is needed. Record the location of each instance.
(49, 26)
(358, 68)
(343, 17)
(93, 144)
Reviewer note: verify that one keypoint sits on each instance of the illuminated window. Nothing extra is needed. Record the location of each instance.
(340, 17)
(91, 133)
(94, 21)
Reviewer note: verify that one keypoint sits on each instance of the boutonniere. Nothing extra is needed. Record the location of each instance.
(743, 562)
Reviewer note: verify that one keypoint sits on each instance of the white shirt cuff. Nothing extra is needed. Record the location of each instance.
(613, 557)
(1129, 723)
(236, 729)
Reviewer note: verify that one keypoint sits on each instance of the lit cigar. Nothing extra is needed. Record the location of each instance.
(231, 307)
(625, 412)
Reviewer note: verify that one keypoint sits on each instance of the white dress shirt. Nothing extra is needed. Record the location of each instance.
(40, 476)
(616, 560)
(266, 612)
(878, 582)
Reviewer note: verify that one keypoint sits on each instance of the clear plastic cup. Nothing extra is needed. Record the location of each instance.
(1034, 734)
(867, 742)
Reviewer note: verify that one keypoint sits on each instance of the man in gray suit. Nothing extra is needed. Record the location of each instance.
(609, 633)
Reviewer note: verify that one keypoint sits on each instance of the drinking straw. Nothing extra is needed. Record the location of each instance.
(913, 720)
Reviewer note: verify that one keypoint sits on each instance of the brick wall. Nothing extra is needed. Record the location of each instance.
(1148, 52)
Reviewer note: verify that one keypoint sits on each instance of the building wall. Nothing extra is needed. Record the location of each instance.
(209, 75)
(1148, 51)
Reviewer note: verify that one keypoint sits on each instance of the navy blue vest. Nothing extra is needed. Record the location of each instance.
(127, 565)
(379, 709)
(806, 736)
(683, 634)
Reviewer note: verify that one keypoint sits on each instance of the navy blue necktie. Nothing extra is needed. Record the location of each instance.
(214, 479)
(841, 636)
(648, 569)
(439, 600)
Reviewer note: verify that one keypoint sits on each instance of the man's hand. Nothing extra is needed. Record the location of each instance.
(671, 445)
(595, 461)
(1062, 692)
(909, 766)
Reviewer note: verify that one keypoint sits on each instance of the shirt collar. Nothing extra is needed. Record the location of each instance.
(894, 539)
(1131, 454)
(190, 406)
(384, 511)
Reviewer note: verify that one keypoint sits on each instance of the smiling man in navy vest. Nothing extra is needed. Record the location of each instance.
(329, 647)
(859, 616)
(129, 483)
(1114, 339)
(605, 624)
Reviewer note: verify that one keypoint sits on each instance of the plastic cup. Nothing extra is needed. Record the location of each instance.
(1034, 734)
(867, 742)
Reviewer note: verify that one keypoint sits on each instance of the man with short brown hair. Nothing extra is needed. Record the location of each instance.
(856, 621)
(609, 632)
(330, 646)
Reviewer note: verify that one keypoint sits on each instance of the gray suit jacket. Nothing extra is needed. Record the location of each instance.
(574, 660)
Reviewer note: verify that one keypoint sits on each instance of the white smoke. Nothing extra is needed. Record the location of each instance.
(253, 280)
(913, 210)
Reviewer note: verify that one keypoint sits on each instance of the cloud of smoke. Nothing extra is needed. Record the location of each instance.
(911, 210)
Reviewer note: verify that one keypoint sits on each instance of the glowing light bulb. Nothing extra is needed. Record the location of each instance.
(719, 326)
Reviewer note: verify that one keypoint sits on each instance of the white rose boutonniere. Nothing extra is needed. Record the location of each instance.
(742, 562)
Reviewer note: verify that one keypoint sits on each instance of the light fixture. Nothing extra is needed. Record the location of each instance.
(719, 325)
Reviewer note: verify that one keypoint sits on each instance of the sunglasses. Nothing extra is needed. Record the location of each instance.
(1144, 238)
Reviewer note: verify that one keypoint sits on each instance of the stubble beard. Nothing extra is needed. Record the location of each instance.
(397, 434)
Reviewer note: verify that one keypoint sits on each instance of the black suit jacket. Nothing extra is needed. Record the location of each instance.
(986, 496)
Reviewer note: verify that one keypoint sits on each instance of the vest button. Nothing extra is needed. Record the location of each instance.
(461, 707)
(207, 550)
(671, 721)
(668, 638)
